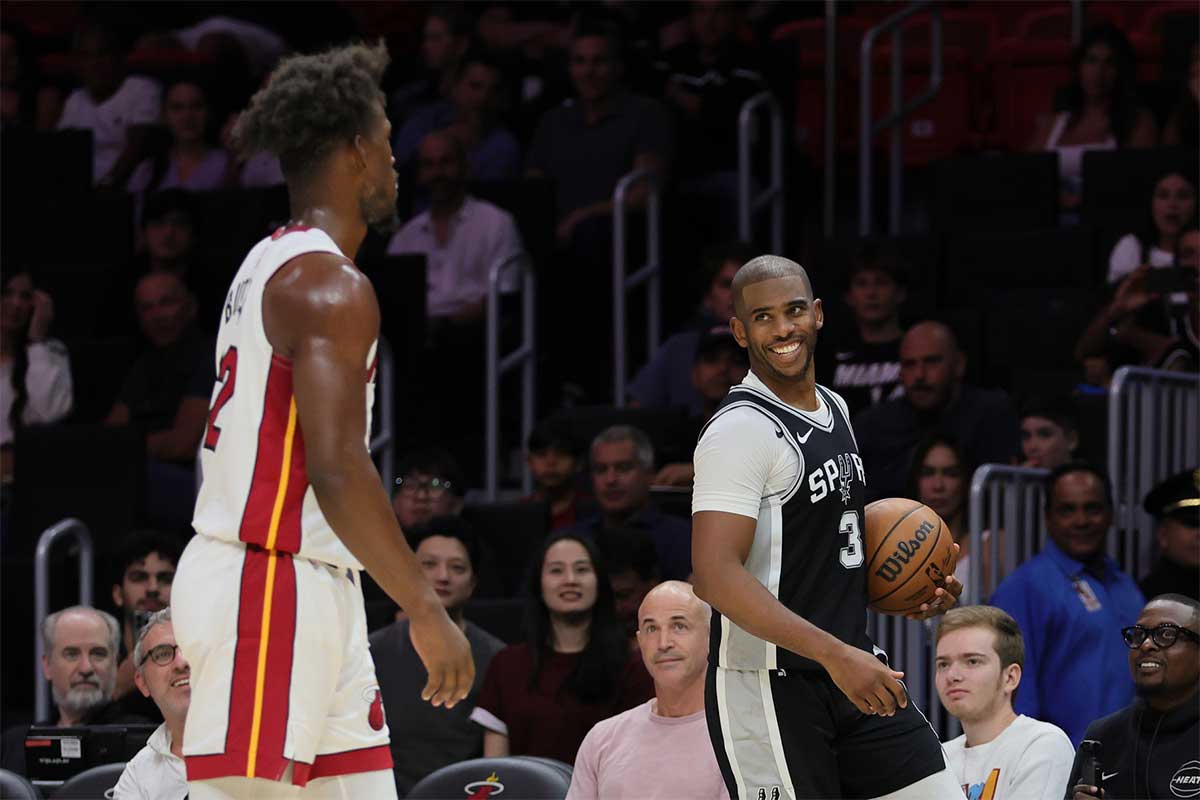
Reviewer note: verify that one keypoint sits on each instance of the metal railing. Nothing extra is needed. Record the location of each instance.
(69, 527)
(772, 195)
(910, 647)
(1153, 433)
(900, 110)
(648, 274)
(1005, 524)
(523, 356)
(383, 443)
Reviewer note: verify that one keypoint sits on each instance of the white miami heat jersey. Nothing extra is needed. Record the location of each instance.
(255, 488)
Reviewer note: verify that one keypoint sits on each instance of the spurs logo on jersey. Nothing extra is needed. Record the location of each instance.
(835, 473)
(255, 488)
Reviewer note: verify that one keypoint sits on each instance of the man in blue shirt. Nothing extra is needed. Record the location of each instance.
(1068, 600)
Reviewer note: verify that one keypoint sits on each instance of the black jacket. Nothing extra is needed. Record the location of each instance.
(1147, 754)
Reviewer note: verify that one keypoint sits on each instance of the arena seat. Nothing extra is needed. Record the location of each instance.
(996, 192)
(1051, 258)
(91, 783)
(512, 532)
(1034, 328)
(15, 787)
(98, 368)
(524, 777)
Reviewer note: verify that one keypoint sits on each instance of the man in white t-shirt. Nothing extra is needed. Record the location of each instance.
(115, 108)
(661, 748)
(1002, 756)
(162, 673)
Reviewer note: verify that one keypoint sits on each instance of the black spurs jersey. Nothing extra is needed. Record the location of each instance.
(808, 545)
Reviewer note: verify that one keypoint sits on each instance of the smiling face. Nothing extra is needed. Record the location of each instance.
(169, 685)
(1079, 516)
(568, 578)
(620, 481)
(1166, 674)
(777, 324)
(673, 636)
(970, 681)
(1172, 205)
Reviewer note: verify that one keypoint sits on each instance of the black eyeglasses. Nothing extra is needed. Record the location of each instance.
(1164, 635)
(162, 654)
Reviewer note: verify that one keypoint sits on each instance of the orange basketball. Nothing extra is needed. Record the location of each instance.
(909, 554)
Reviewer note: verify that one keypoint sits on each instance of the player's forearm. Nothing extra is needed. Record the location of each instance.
(353, 501)
(732, 590)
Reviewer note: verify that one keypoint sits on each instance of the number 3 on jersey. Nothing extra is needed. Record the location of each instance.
(851, 555)
(227, 376)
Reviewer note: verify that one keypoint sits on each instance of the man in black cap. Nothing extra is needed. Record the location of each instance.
(1175, 506)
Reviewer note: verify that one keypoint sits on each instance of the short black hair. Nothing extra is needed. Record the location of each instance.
(873, 256)
(434, 461)
(459, 22)
(630, 548)
(601, 24)
(481, 57)
(554, 434)
(138, 544)
(169, 201)
(311, 104)
(452, 528)
(1077, 466)
(1059, 410)
(716, 256)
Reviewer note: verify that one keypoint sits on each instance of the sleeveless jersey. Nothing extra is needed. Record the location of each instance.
(808, 547)
(255, 483)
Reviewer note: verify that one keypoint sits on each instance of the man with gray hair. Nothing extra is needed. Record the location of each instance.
(161, 673)
(622, 460)
(79, 658)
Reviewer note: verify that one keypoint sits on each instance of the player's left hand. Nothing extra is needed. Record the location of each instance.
(944, 598)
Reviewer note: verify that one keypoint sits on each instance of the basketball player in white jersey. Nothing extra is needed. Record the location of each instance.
(267, 601)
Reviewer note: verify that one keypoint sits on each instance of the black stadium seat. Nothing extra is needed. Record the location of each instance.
(511, 533)
(996, 192)
(520, 777)
(91, 783)
(979, 262)
(15, 787)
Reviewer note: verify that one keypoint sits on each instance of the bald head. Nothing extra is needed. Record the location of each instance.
(931, 366)
(766, 268)
(678, 594)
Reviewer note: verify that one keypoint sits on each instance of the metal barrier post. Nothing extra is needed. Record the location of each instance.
(384, 442)
(868, 129)
(1153, 433)
(1009, 514)
(69, 527)
(497, 367)
(773, 194)
(648, 274)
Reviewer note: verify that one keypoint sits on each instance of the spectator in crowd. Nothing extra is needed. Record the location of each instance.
(461, 237)
(865, 367)
(444, 40)
(1172, 207)
(935, 400)
(939, 476)
(429, 484)
(169, 233)
(1175, 506)
(666, 380)
(1183, 123)
(79, 658)
(659, 749)
(145, 569)
(1067, 600)
(586, 145)
(1150, 748)
(157, 772)
(1102, 110)
(1049, 432)
(115, 108)
(166, 395)
(35, 370)
(469, 113)
(426, 738)
(555, 461)
(542, 696)
(18, 79)
(632, 570)
(978, 667)
(622, 461)
(708, 78)
(190, 159)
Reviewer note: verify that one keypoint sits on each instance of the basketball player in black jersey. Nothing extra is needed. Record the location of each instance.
(800, 703)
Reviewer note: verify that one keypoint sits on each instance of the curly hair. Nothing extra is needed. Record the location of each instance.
(311, 104)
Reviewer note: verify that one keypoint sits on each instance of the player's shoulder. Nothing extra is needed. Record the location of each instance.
(742, 418)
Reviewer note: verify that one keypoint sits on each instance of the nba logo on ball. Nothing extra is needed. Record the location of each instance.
(375, 718)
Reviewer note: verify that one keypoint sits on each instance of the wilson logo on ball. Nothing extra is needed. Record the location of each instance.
(906, 550)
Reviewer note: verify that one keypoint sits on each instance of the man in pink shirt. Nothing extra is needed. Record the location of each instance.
(659, 749)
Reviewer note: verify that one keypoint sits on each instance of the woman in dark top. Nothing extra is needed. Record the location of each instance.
(542, 696)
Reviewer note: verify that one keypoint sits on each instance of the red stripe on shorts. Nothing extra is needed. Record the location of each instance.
(367, 759)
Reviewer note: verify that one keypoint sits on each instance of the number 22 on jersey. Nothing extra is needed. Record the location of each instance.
(227, 377)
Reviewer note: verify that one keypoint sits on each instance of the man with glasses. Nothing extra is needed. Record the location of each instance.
(429, 484)
(1067, 600)
(1151, 748)
(161, 673)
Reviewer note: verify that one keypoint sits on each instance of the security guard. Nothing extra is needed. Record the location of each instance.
(1175, 506)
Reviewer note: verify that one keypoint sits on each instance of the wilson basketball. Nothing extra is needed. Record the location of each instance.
(909, 554)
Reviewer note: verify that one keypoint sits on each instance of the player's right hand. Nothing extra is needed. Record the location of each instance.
(1084, 792)
(447, 658)
(871, 685)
